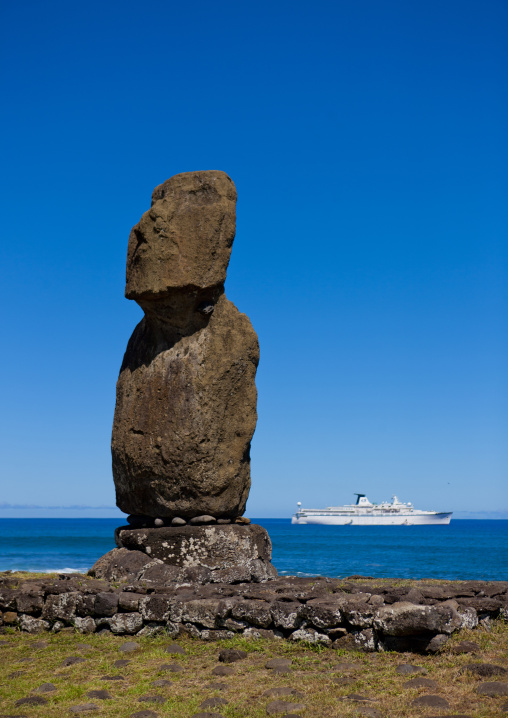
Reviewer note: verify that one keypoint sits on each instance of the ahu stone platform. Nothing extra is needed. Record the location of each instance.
(355, 613)
(229, 553)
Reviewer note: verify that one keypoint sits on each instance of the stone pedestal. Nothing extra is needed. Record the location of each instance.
(203, 554)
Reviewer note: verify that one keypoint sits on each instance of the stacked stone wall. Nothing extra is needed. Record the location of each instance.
(360, 613)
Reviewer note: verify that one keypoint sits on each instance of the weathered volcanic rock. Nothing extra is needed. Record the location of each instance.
(231, 552)
(406, 619)
(185, 238)
(186, 397)
(120, 564)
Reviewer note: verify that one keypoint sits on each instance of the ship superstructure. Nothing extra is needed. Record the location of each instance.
(365, 513)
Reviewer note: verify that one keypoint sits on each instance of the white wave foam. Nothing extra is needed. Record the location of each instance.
(300, 574)
(46, 570)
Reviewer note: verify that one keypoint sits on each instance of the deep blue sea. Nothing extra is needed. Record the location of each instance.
(465, 549)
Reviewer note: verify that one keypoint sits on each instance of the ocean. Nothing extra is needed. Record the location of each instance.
(466, 549)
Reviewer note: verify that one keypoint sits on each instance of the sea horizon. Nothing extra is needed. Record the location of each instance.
(465, 549)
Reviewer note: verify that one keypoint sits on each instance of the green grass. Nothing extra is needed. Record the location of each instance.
(312, 674)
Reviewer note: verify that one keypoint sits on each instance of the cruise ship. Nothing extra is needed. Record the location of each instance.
(364, 513)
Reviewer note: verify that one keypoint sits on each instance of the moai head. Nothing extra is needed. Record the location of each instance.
(182, 245)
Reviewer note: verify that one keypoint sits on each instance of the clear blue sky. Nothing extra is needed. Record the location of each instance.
(368, 143)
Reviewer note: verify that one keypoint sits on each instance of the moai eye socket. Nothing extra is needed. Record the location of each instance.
(206, 308)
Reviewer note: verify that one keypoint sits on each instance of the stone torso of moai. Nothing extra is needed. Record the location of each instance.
(186, 396)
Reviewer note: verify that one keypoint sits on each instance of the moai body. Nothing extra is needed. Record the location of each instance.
(186, 395)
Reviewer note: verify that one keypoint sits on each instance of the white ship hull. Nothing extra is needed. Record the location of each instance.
(364, 513)
(400, 520)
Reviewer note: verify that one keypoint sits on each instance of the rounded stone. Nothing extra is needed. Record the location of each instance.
(213, 702)
(172, 667)
(31, 701)
(465, 647)
(129, 647)
(223, 671)
(278, 663)
(84, 708)
(493, 688)
(199, 520)
(231, 655)
(175, 648)
(421, 683)
(431, 701)
(177, 521)
(10, 617)
(406, 669)
(485, 670)
(152, 699)
(368, 712)
(275, 707)
(158, 522)
(103, 695)
(46, 688)
(346, 667)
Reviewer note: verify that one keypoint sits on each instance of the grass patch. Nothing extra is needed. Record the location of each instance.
(316, 673)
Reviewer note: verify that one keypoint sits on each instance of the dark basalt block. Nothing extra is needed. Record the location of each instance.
(226, 553)
(150, 596)
(215, 547)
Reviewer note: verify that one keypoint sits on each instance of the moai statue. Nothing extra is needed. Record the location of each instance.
(186, 396)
